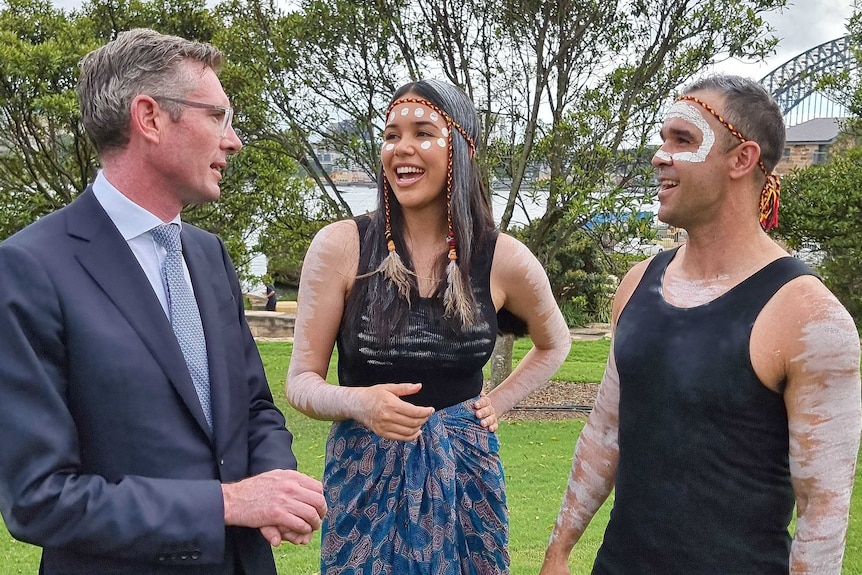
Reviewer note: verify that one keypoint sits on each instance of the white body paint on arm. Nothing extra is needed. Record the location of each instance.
(519, 283)
(825, 420)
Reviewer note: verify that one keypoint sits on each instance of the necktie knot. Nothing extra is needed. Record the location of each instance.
(168, 236)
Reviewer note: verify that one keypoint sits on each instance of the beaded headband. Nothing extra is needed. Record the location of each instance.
(770, 194)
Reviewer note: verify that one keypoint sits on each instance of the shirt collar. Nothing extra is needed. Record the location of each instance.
(131, 219)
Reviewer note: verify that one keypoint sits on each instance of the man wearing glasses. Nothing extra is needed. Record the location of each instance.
(140, 435)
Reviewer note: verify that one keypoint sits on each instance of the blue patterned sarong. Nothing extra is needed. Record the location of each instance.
(434, 506)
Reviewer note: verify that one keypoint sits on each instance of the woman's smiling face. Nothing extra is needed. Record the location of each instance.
(415, 153)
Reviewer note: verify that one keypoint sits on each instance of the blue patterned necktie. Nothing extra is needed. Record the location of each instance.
(184, 314)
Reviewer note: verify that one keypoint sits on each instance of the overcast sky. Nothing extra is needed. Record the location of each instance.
(804, 24)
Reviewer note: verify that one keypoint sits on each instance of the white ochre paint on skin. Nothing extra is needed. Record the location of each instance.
(548, 329)
(419, 112)
(690, 114)
(329, 260)
(594, 464)
(692, 293)
(825, 420)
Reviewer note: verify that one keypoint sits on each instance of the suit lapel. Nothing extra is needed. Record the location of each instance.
(110, 262)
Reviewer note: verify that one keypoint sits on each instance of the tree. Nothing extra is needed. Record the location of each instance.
(821, 206)
(46, 159)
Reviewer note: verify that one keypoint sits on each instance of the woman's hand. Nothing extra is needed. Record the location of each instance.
(381, 409)
(485, 412)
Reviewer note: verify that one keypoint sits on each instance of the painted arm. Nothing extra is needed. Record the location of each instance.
(592, 478)
(519, 284)
(824, 417)
(327, 276)
(594, 466)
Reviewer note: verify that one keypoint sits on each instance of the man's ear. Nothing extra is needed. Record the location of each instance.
(147, 118)
(744, 159)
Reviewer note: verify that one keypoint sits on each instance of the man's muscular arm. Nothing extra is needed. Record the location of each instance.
(824, 410)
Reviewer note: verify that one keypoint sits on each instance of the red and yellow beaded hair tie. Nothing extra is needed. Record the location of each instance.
(771, 192)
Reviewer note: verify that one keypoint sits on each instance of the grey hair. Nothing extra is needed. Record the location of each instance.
(752, 110)
(138, 61)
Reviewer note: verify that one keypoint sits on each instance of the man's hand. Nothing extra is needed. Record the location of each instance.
(285, 505)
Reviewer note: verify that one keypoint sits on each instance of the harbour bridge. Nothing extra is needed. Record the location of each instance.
(794, 83)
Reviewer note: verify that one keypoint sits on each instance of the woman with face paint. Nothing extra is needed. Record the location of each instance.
(732, 391)
(411, 295)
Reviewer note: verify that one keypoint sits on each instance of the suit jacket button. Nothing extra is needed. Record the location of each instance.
(184, 556)
(221, 462)
(196, 555)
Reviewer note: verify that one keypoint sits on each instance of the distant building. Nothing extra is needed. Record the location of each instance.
(809, 143)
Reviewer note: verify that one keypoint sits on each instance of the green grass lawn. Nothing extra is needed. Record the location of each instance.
(536, 455)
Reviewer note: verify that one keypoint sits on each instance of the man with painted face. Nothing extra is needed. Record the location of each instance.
(732, 390)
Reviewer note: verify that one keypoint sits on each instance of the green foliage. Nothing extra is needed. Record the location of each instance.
(822, 207)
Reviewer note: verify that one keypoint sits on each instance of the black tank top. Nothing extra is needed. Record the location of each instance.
(448, 363)
(703, 483)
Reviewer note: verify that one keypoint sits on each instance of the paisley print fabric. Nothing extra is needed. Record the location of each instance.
(434, 506)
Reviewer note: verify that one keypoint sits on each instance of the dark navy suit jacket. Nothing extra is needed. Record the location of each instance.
(107, 461)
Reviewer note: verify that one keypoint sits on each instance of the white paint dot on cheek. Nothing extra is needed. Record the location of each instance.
(418, 112)
(434, 116)
(425, 145)
(389, 147)
(445, 132)
(404, 111)
(441, 142)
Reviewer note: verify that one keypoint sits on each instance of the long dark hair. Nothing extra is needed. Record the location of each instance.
(375, 294)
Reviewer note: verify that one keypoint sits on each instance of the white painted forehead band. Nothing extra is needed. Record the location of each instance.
(688, 113)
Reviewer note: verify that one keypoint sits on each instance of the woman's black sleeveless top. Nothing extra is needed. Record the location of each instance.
(448, 363)
(703, 483)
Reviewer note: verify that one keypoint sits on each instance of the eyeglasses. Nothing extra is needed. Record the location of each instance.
(226, 110)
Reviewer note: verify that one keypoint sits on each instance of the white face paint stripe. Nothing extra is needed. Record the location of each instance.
(688, 113)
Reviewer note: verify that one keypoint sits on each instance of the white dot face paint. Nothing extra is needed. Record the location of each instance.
(434, 116)
(392, 116)
(445, 132)
(418, 112)
(404, 111)
(425, 145)
(441, 142)
(689, 113)
(389, 147)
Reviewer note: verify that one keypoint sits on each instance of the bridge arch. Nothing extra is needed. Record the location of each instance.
(794, 83)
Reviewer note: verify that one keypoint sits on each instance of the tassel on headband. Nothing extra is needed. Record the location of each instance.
(456, 300)
(771, 192)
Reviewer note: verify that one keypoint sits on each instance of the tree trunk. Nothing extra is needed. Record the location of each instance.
(501, 359)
